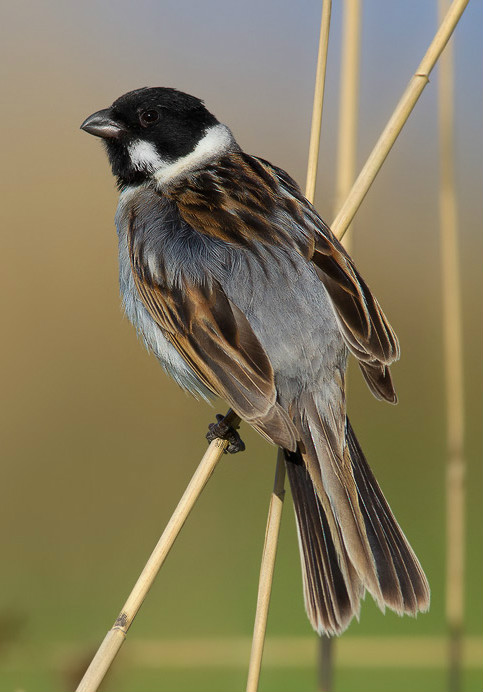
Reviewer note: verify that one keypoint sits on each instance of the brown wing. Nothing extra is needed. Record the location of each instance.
(249, 202)
(363, 324)
(216, 340)
(368, 334)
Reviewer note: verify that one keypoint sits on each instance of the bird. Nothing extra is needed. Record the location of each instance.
(241, 291)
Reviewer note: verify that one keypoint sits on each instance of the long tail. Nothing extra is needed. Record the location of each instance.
(348, 537)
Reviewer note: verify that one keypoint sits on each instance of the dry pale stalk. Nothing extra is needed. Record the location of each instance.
(345, 175)
(397, 120)
(348, 105)
(266, 574)
(314, 145)
(453, 364)
(116, 635)
(276, 503)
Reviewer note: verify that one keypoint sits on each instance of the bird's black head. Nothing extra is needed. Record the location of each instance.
(149, 130)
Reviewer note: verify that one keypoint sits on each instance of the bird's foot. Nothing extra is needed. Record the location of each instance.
(221, 430)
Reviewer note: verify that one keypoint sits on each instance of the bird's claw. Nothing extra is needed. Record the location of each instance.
(221, 430)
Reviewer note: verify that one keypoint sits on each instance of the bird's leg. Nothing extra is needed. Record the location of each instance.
(223, 431)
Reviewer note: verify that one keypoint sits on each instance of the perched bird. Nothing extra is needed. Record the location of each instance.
(241, 290)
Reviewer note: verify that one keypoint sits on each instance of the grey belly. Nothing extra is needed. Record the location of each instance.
(288, 309)
(291, 313)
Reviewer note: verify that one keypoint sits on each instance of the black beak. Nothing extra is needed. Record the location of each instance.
(101, 124)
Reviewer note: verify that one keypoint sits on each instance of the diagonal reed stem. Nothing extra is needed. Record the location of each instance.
(115, 637)
(396, 122)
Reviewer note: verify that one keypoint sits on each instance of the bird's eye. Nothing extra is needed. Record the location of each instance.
(149, 117)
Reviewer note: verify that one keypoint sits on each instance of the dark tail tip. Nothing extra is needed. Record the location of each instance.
(329, 606)
(403, 583)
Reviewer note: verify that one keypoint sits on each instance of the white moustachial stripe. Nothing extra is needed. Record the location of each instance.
(217, 140)
(144, 156)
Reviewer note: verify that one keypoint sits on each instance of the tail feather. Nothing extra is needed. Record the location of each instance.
(329, 606)
(331, 473)
(349, 539)
(323, 489)
(403, 582)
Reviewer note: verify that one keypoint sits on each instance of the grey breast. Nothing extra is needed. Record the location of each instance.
(133, 199)
(292, 315)
(277, 289)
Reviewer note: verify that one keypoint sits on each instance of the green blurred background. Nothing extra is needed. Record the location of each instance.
(98, 444)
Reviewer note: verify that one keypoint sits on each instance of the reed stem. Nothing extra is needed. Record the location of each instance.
(266, 574)
(348, 106)
(453, 365)
(276, 502)
(345, 175)
(314, 146)
(396, 122)
(114, 639)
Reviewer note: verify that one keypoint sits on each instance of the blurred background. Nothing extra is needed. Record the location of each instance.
(98, 444)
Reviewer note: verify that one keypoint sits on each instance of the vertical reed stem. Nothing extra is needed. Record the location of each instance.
(314, 145)
(345, 175)
(276, 503)
(266, 574)
(453, 358)
(348, 106)
(325, 664)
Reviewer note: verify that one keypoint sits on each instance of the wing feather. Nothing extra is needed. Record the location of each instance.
(216, 340)
(248, 203)
(365, 328)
